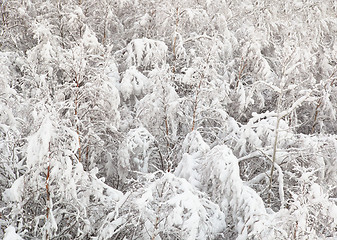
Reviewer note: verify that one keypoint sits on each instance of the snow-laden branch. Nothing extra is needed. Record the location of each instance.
(294, 106)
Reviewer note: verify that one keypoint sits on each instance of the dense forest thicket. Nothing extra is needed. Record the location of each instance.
(153, 119)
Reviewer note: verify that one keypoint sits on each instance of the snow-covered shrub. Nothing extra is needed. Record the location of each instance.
(165, 208)
(146, 53)
(135, 151)
(54, 190)
(157, 110)
(221, 179)
(192, 154)
(88, 100)
(133, 83)
(315, 214)
(310, 214)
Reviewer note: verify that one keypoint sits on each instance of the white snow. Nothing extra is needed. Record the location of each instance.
(10, 234)
(15, 192)
(38, 144)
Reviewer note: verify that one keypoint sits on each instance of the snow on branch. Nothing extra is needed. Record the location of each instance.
(295, 105)
(146, 52)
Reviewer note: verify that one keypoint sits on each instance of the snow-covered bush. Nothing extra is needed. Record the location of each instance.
(221, 179)
(166, 207)
(146, 53)
(54, 190)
